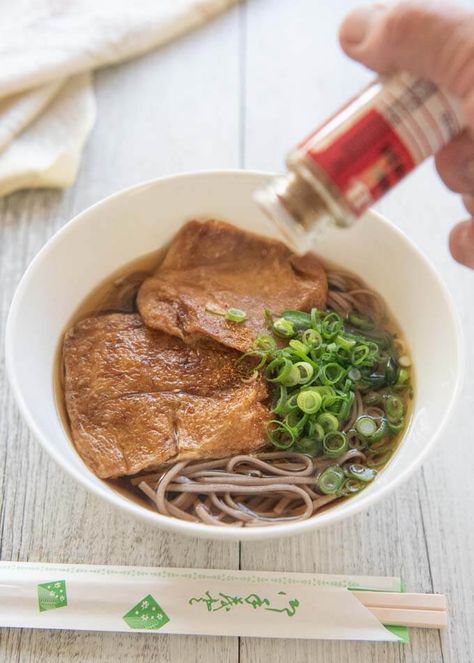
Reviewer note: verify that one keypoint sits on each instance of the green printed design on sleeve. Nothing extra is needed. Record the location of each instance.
(52, 595)
(147, 614)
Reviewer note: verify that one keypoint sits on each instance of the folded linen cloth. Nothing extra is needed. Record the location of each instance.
(47, 50)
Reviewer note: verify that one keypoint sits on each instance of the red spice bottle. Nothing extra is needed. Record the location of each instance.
(359, 154)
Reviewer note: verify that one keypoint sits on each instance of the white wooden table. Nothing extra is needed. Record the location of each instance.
(237, 94)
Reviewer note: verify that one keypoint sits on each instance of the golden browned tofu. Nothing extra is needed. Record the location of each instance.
(213, 266)
(138, 398)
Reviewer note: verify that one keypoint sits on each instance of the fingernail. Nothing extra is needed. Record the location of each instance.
(461, 243)
(357, 24)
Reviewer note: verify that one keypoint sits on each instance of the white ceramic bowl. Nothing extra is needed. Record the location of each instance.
(141, 219)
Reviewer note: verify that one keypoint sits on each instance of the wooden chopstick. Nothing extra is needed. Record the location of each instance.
(406, 609)
(414, 618)
(404, 600)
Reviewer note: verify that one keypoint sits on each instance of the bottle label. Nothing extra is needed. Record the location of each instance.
(380, 137)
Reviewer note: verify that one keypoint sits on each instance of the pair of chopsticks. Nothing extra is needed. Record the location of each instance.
(405, 609)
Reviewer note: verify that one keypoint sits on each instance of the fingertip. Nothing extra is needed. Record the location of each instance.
(455, 163)
(356, 26)
(461, 243)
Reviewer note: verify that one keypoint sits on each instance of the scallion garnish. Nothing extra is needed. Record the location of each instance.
(331, 373)
(278, 369)
(361, 322)
(331, 480)
(299, 319)
(280, 434)
(311, 338)
(328, 421)
(309, 401)
(335, 444)
(306, 371)
(283, 328)
(235, 315)
(230, 314)
(351, 486)
(370, 430)
(314, 364)
(359, 472)
(309, 445)
(365, 426)
(394, 408)
(265, 343)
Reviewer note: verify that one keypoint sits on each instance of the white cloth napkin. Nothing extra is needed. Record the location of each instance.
(47, 50)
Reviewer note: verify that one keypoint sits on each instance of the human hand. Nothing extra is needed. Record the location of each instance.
(433, 40)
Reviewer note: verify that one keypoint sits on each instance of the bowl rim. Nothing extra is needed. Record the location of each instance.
(199, 530)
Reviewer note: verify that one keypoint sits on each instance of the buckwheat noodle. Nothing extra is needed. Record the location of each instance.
(270, 487)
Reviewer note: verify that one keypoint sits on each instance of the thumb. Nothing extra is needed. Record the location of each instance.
(433, 40)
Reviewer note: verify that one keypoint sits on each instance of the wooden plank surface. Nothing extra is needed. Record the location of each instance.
(239, 92)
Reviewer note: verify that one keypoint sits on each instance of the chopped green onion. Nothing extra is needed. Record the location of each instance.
(312, 338)
(372, 398)
(293, 376)
(254, 353)
(299, 319)
(324, 390)
(344, 342)
(331, 373)
(346, 405)
(309, 401)
(347, 386)
(394, 408)
(300, 347)
(351, 486)
(379, 459)
(395, 427)
(328, 421)
(315, 430)
(335, 444)
(329, 398)
(380, 433)
(316, 373)
(265, 342)
(296, 420)
(280, 435)
(403, 377)
(308, 445)
(391, 371)
(281, 402)
(359, 354)
(404, 361)
(315, 317)
(235, 315)
(359, 472)
(354, 374)
(268, 318)
(306, 371)
(330, 481)
(215, 310)
(278, 369)
(361, 322)
(331, 326)
(291, 403)
(365, 426)
(283, 328)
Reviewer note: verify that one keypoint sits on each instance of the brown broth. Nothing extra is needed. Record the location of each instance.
(117, 293)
